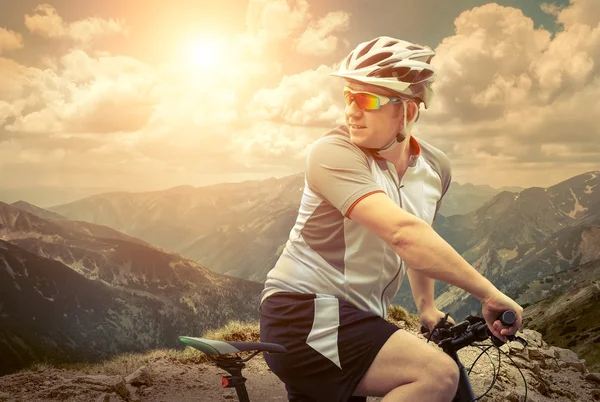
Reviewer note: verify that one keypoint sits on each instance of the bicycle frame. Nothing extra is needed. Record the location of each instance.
(464, 392)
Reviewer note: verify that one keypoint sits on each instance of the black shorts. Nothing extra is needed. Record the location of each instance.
(330, 344)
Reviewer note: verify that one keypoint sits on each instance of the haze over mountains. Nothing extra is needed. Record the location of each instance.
(78, 291)
(236, 229)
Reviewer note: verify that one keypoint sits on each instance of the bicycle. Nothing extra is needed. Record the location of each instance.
(450, 338)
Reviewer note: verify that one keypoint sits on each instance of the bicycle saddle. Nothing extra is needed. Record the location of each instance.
(212, 347)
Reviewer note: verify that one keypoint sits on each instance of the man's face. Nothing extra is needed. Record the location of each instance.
(373, 128)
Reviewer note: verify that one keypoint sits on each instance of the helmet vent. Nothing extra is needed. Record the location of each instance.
(412, 47)
(366, 49)
(391, 43)
(348, 60)
(374, 59)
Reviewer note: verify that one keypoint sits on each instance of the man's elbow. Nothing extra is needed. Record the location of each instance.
(410, 237)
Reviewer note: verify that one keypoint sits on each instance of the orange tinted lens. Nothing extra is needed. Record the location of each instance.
(363, 100)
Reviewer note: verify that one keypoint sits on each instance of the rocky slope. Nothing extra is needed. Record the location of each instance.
(551, 374)
(77, 291)
(568, 315)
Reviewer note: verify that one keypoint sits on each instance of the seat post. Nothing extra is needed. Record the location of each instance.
(236, 380)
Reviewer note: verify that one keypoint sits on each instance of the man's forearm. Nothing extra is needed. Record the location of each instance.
(426, 252)
(422, 288)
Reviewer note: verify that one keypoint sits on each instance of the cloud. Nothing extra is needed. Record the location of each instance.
(271, 21)
(309, 98)
(45, 21)
(509, 96)
(551, 9)
(580, 12)
(10, 40)
(318, 40)
(268, 145)
(85, 94)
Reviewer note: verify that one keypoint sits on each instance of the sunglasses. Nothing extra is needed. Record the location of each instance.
(367, 100)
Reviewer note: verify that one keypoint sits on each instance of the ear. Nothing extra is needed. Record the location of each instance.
(412, 111)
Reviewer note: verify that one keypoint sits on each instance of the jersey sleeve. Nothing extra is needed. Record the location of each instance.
(339, 172)
(446, 178)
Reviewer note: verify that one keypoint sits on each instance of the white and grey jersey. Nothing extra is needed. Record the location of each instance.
(328, 253)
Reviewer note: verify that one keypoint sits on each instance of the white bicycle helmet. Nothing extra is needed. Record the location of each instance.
(395, 64)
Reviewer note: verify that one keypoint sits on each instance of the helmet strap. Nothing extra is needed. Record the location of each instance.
(401, 136)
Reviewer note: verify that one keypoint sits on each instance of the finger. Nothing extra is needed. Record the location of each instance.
(519, 321)
(496, 333)
(498, 325)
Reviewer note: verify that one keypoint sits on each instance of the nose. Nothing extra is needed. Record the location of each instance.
(353, 110)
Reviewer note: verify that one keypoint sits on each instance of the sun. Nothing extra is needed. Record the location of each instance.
(203, 53)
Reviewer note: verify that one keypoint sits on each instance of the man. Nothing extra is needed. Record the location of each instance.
(372, 191)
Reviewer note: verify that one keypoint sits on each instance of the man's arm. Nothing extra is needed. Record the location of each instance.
(425, 251)
(422, 289)
(419, 245)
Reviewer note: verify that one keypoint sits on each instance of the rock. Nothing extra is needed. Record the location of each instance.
(549, 353)
(566, 355)
(512, 397)
(141, 376)
(596, 394)
(105, 383)
(579, 366)
(535, 367)
(593, 377)
(536, 354)
(4, 396)
(552, 364)
(542, 388)
(516, 347)
(103, 398)
(60, 391)
(532, 337)
(134, 395)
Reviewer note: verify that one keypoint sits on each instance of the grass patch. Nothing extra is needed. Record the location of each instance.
(398, 315)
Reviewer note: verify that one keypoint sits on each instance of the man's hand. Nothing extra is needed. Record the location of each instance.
(430, 316)
(495, 305)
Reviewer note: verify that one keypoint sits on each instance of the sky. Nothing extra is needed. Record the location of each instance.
(148, 95)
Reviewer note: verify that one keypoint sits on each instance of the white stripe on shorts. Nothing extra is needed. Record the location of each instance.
(323, 336)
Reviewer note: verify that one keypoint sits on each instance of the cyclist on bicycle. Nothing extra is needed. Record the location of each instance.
(371, 194)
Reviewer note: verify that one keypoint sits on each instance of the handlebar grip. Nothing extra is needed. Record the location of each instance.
(508, 318)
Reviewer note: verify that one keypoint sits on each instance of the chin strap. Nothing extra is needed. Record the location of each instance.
(397, 139)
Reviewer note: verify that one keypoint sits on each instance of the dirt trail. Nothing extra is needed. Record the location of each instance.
(552, 374)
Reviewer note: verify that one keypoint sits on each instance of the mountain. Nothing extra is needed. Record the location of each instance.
(566, 310)
(47, 196)
(73, 291)
(37, 211)
(517, 237)
(464, 198)
(236, 229)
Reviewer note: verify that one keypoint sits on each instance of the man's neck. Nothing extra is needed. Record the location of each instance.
(399, 155)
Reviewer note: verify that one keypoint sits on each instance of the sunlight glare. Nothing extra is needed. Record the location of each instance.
(203, 53)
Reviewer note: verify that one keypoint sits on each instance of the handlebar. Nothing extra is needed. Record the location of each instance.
(455, 337)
